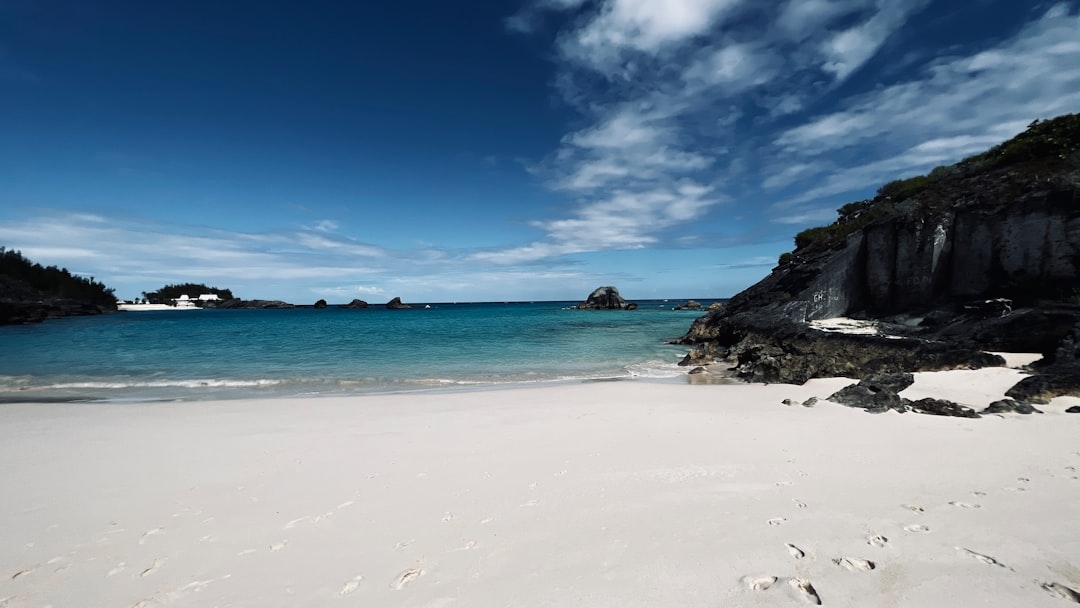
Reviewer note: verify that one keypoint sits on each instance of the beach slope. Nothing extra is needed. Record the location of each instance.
(613, 494)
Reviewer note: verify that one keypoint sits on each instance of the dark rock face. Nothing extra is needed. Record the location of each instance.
(879, 393)
(941, 407)
(1058, 373)
(320, 304)
(690, 305)
(19, 312)
(606, 298)
(703, 355)
(356, 303)
(20, 303)
(876, 393)
(766, 349)
(1010, 406)
(1073, 410)
(982, 259)
(396, 304)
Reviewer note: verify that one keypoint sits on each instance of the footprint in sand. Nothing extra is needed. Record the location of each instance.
(916, 528)
(352, 585)
(986, 559)
(447, 517)
(407, 577)
(529, 504)
(487, 520)
(964, 505)
(914, 508)
(805, 591)
(1060, 591)
(299, 520)
(758, 583)
(279, 546)
(24, 571)
(776, 521)
(799, 503)
(158, 563)
(153, 532)
(117, 570)
(876, 540)
(854, 564)
(795, 552)
(781, 484)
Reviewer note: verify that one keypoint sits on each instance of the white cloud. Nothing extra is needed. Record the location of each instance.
(622, 28)
(848, 50)
(956, 107)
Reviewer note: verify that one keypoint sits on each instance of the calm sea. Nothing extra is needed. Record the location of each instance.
(216, 354)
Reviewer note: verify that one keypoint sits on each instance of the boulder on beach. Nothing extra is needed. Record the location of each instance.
(396, 304)
(606, 298)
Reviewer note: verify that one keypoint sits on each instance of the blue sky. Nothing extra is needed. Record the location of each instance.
(490, 150)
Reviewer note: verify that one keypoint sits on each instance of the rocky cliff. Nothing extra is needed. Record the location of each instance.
(924, 256)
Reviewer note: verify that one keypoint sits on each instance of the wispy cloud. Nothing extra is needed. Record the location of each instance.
(147, 255)
(954, 107)
(693, 105)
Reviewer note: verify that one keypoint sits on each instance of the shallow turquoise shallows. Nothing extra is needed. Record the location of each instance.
(214, 354)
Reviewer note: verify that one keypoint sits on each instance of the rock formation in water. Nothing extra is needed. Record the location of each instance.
(356, 303)
(606, 298)
(320, 304)
(981, 255)
(256, 304)
(396, 304)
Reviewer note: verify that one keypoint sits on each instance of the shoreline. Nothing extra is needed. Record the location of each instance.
(606, 493)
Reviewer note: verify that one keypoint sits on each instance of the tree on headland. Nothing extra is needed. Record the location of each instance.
(52, 282)
(169, 293)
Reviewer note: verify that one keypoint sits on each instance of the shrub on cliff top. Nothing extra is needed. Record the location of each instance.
(1046, 146)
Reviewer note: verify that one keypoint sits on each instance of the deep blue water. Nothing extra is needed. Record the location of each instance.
(212, 354)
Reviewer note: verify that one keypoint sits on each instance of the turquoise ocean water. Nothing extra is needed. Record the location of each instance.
(216, 354)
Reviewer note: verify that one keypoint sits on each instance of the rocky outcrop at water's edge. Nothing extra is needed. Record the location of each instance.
(982, 255)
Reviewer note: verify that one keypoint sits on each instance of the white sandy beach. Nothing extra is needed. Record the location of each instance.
(617, 494)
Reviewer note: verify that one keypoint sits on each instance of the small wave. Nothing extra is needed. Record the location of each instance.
(655, 369)
(207, 383)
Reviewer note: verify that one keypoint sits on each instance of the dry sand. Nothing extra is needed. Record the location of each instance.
(616, 494)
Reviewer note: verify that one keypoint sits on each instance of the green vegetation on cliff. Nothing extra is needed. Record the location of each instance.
(27, 280)
(1048, 150)
(168, 293)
